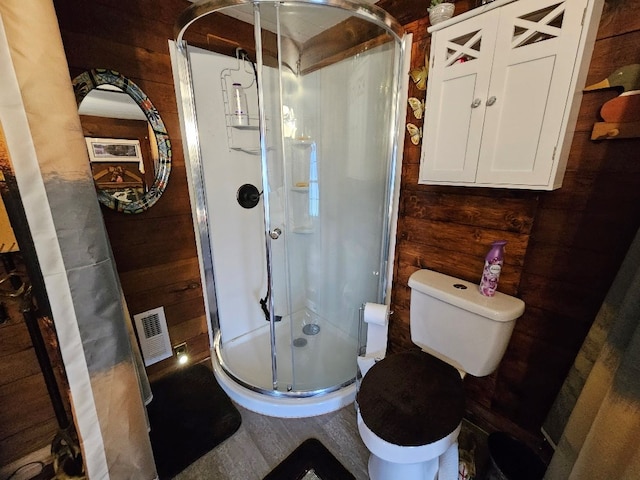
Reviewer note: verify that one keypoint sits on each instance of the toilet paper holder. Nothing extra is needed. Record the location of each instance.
(372, 336)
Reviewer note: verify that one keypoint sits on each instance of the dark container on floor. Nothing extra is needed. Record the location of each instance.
(510, 459)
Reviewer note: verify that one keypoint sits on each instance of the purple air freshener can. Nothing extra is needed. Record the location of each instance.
(492, 268)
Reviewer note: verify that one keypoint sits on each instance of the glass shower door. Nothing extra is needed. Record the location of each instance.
(327, 157)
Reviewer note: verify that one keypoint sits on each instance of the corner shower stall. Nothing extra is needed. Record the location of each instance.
(291, 145)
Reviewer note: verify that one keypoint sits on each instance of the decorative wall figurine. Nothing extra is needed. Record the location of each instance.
(419, 77)
(417, 106)
(621, 114)
(415, 133)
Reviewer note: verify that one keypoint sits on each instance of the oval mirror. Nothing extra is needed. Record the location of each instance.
(129, 149)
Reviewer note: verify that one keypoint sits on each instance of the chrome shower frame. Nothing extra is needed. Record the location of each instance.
(368, 12)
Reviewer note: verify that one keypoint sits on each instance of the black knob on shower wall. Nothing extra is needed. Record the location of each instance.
(248, 196)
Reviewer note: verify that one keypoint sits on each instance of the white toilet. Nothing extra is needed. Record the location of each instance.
(411, 404)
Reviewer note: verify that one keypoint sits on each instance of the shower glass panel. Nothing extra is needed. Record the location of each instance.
(327, 158)
(292, 273)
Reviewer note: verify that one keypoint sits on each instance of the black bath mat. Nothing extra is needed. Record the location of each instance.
(310, 455)
(189, 415)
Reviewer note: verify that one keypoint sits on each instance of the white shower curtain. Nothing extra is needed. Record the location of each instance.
(601, 396)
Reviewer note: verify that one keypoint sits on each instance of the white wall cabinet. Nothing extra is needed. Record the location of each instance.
(504, 90)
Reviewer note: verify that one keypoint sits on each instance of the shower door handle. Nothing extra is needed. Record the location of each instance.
(275, 233)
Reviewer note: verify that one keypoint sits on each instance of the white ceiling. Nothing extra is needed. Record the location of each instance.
(112, 103)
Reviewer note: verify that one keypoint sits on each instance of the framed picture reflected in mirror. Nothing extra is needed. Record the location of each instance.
(117, 166)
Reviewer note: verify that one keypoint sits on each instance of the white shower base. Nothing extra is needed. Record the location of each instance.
(327, 359)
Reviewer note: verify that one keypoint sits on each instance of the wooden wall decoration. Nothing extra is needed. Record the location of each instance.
(621, 114)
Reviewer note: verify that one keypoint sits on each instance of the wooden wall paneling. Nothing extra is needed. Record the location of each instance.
(31, 409)
(553, 327)
(135, 63)
(408, 12)
(585, 231)
(611, 53)
(38, 435)
(166, 12)
(521, 389)
(563, 266)
(155, 277)
(27, 420)
(14, 337)
(154, 251)
(24, 358)
(135, 246)
(338, 42)
(580, 235)
(619, 17)
(114, 23)
(576, 300)
(514, 214)
(186, 290)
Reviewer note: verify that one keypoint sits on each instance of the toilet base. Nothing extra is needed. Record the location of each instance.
(380, 469)
(394, 462)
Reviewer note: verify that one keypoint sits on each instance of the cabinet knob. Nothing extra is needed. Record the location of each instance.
(491, 101)
(476, 103)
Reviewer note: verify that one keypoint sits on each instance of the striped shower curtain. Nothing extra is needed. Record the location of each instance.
(595, 420)
(46, 157)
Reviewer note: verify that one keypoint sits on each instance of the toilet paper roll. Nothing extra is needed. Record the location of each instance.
(376, 316)
(376, 313)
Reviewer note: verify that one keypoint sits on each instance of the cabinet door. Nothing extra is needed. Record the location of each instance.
(461, 57)
(533, 65)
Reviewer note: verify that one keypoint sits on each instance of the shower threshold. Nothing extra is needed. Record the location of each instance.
(283, 407)
(322, 363)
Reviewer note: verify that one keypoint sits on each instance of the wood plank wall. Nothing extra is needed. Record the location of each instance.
(154, 251)
(564, 248)
(27, 421)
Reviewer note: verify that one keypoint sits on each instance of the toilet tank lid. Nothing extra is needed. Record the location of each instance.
(501, 307)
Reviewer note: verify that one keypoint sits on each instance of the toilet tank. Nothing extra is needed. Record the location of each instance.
(453, 321)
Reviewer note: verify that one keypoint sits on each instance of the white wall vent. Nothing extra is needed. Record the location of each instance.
(154, 335)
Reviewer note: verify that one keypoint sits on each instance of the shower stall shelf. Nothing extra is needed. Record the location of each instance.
(303, 186)
(283, 281)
